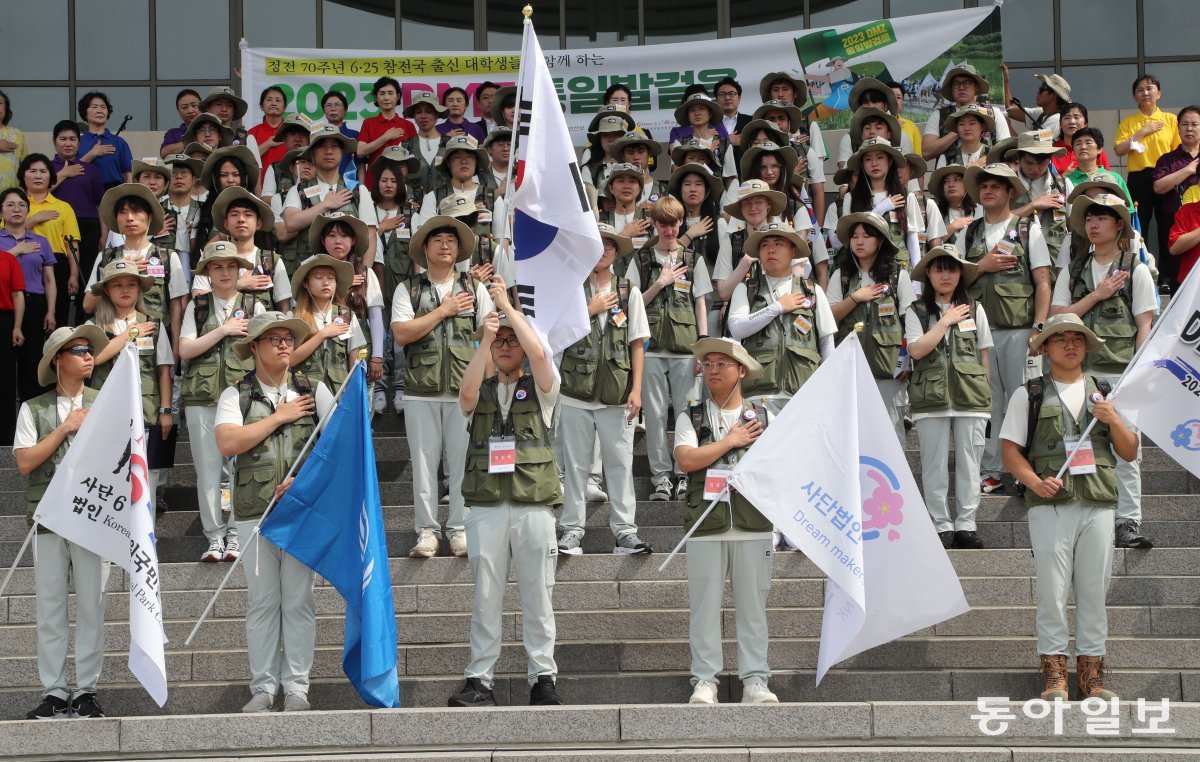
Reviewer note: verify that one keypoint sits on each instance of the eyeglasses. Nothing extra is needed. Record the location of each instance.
(15, 205)
(727, 93)
(1067, 339)
(507, 341)
(709, 367)
(79, 350)
(280, 341)
(962, 82)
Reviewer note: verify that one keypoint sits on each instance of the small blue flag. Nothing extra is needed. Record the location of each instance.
(331, 520)
(350, 176)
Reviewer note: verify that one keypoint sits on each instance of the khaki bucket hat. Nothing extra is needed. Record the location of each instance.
(731, 349)
(89, 331)
(1066, 322)
(265, 321)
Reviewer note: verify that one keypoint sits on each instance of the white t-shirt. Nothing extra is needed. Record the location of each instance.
(355, 337)
(720, 422)
(637, 329)
(179, 282)
(186, 222)
(1016, 417)
(366, 206)
(912, 211)
(160, 343)
(1051, 122)
(229, 409)
(935, 226)
(967, 157)
(403, 312)
(1145, 296)
(25, 434)
(913, 330)
(505, 392)
(219, 307)
(904, 288)
(701, 287)
(933, 125)
(281, 289)
(1039, 253)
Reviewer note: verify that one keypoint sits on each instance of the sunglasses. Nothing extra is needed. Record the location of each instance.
(79, 350)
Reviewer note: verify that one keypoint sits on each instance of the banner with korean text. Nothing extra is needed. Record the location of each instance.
(914, 50)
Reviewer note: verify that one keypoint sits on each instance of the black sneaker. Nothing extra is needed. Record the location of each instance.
(947, 539)
(1129, 535)
(86, 706)
(542, 692)
(474, 693)
(967, 540)
(51, 708)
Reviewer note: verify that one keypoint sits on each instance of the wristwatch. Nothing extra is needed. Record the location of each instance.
(166, 410)
(1039, 326)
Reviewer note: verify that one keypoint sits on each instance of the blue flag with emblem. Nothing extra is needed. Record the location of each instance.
(331, 520)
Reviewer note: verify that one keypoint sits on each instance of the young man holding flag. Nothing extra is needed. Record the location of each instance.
(46, 428)
(1070, 526)
(265, 421)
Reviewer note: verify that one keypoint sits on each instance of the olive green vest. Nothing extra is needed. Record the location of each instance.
(434, 363)
(1007, 297)
(895, 235)
(425, 179)
(147, 369)
(398, 265)
(883, 334)
(1054, 224)
(738, 513)
(788, 357)
(1048, 451)
(949, 380)
(209, 374)
(328, 364)
(535, 480)
(1111, 319)
(262, 468)
(156, 297)
(671, 313)
(597, 368)
(167, 240)
(265, 264)
(301, 249)
(608, 217)
(44, 409)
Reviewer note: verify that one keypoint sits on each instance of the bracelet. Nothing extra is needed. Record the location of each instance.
(376, 359)
(854, 300)
(165, 411)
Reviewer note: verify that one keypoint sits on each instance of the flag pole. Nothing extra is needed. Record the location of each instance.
(17, 560)
(1112, 395)
(695, 525)
(362, 355)
(509, 174)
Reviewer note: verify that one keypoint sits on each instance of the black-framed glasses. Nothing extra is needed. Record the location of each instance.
(79, 350)
(506, 341)
(280, 341)
(727, 93)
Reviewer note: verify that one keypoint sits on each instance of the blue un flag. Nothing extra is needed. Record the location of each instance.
(331, 519)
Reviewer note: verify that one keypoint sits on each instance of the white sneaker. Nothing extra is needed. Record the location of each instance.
(593, 494)
(295, 701)
(704, 693)
(757, 693)
(398, 400)
(570, 542)
(260, 703)
(232, 550)
(458, 544)
(379, 401)
(215, 552)
(426, 547)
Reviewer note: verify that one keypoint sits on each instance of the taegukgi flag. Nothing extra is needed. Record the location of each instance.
(99, 499)
(1160, 393)
(555, 240)
(831, 476)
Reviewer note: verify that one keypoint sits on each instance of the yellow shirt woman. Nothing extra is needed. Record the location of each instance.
(55, 230)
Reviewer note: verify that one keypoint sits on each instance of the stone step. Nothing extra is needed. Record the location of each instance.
(515, 729)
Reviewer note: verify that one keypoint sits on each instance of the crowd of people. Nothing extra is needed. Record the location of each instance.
(988, 261)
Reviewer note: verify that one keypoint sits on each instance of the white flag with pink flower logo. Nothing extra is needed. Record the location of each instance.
(829, 473)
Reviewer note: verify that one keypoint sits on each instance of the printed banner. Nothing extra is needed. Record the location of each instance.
(914, 50)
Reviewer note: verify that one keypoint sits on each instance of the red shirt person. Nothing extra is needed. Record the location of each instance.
(386, 129)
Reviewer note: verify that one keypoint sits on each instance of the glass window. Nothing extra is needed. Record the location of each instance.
(1028, 32)
(1102, 87)
(134, 101)
(1024, 85)
(834, 12)
(38, 109)
(913, 7)
(1165, 36)
(112, 40)
(1098, 28)
(355, 28)
(1179, 84)
(424, 30)
(281, 23)
(747, 17)
(168, 115)
(666, 21)
(192, 45)
(596, 25)
(28, 32)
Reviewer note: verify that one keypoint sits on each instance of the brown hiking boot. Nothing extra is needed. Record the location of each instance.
(1054, 677)
(1089, 675)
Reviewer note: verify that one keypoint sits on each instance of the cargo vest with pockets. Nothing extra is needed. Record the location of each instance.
(434, 363)
(147, 370)
(608, 217)
(328, 364)
(264, 264)
(738, 513)
(671, 313)
(167, 240)
(989, 139)
(1111, 319)
(951, 376)
(425, 179)
(883, 334)
(895, 235)
(1007, 297)
(397, 261)
(262, 468)
(1048, 451)
(484, 253)
(156, 297)
(597, 368)
(44, 409)
(301, 250)
(787, 356)
(1054, 223)
(209, 374)
(535, 479)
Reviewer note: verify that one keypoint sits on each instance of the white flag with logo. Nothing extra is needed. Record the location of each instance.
(555, 240)
(1160, 393)
(829, 473)
(99, 499)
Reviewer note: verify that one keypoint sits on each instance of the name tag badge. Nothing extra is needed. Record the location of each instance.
(145, 343)
(639, 242)
(313, 193)
(502, 455)
(1006, 246)
(803, 325)
(155, 268)
(715, 482)
(893, 217)
(1084, 460)
(618, 317)
(887, 309)
(683, 286)
(967, 325)
(403, 233)
(922, 238)
(1060, 215)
